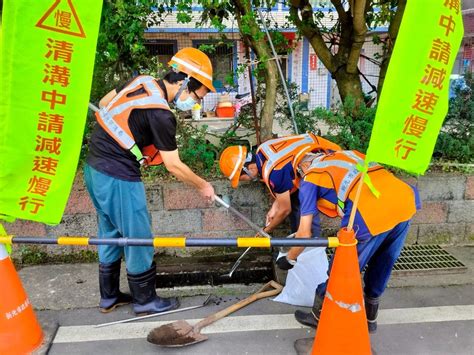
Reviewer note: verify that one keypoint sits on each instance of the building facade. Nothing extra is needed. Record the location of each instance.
(300, 65)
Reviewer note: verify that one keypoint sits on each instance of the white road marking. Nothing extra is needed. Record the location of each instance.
(82, 333)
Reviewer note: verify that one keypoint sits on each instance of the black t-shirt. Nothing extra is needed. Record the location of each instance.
(148, 126)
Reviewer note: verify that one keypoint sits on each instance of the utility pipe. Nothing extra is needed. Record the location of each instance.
(283, 80)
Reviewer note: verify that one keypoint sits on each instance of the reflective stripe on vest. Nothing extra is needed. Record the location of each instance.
(304, 143)
(351, 175)
(107, 115)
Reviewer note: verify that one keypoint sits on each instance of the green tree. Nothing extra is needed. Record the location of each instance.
(214, 13)
(456, 139)
(121, 50)
(339, 44)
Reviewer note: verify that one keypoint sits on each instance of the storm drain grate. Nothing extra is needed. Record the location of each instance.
(426, 258)
(415, 258)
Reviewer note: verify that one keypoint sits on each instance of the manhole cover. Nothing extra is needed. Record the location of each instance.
(429, 258)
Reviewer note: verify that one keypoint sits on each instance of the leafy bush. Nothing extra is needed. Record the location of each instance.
(194, 149)
(456, 139)
(348, 125)
(121, 49)
(304, 119)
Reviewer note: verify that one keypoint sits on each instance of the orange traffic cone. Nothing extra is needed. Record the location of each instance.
(342, 327)
(20, 332)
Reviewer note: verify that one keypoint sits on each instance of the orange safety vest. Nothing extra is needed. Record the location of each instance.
(114, 116)
(280, 151)
(341, 172)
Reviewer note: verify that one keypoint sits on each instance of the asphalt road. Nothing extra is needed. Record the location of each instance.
(425, 313)
(412, 320)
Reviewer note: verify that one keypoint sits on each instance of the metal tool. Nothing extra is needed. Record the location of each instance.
(239, 260)
(250, 223)
(93, 107)
(285, 249)
(181, 333)
(237, 263)
(206, 301)
(242, 217)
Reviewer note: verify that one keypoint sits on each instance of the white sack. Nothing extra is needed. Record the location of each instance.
(301, 282)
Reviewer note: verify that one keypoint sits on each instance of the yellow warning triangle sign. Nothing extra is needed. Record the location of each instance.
(62, 17)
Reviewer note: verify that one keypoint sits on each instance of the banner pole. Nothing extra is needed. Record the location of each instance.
(356, 201)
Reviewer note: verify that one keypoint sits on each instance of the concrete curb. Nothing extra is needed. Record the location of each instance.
(72, 286)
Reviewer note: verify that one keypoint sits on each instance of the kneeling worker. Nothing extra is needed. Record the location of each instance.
(275, 163)
(381, 223)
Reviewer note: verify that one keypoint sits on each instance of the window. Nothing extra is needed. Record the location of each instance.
(283, 50)
(162, 49)
(284, 63)
(283, 54)
(222, 59)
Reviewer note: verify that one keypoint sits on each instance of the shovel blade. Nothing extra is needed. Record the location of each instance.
(176, 334)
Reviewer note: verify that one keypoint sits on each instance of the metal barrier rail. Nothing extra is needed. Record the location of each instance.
(178, 242)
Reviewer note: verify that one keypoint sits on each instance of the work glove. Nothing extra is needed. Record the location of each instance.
(283, 262)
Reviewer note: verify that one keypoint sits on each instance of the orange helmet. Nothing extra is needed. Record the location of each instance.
(194, 63)
(231, 162)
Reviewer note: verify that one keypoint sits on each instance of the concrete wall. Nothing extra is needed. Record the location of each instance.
(447, 216)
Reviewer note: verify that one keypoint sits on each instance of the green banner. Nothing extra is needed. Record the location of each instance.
(414, 99)
(48, 50)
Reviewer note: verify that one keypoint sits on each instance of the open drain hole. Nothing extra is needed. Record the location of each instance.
(255, 268)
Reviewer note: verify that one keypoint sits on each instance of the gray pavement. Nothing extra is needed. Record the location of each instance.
(424, 314)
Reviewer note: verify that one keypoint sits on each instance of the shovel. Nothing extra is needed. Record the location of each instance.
(181, 333)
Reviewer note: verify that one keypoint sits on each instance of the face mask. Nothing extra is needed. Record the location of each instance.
(185, 105)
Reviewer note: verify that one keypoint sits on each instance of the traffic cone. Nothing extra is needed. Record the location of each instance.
(20, 332)
(342, 327)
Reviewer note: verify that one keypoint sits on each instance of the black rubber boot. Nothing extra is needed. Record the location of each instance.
(371, 310)
(145, 300)
(311, 319)
(109, 281)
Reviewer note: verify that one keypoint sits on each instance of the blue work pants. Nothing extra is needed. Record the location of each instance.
(379, 254)
(121, 213)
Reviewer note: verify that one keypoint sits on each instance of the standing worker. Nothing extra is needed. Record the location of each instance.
(136, 127)
(275, 162)
(384, 211)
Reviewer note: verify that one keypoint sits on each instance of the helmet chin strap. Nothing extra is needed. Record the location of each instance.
(183, 87)
(249, 159)
(249, 174)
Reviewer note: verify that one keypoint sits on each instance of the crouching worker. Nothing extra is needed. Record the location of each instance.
(382, 220)
(136, 127)
(275, 163)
